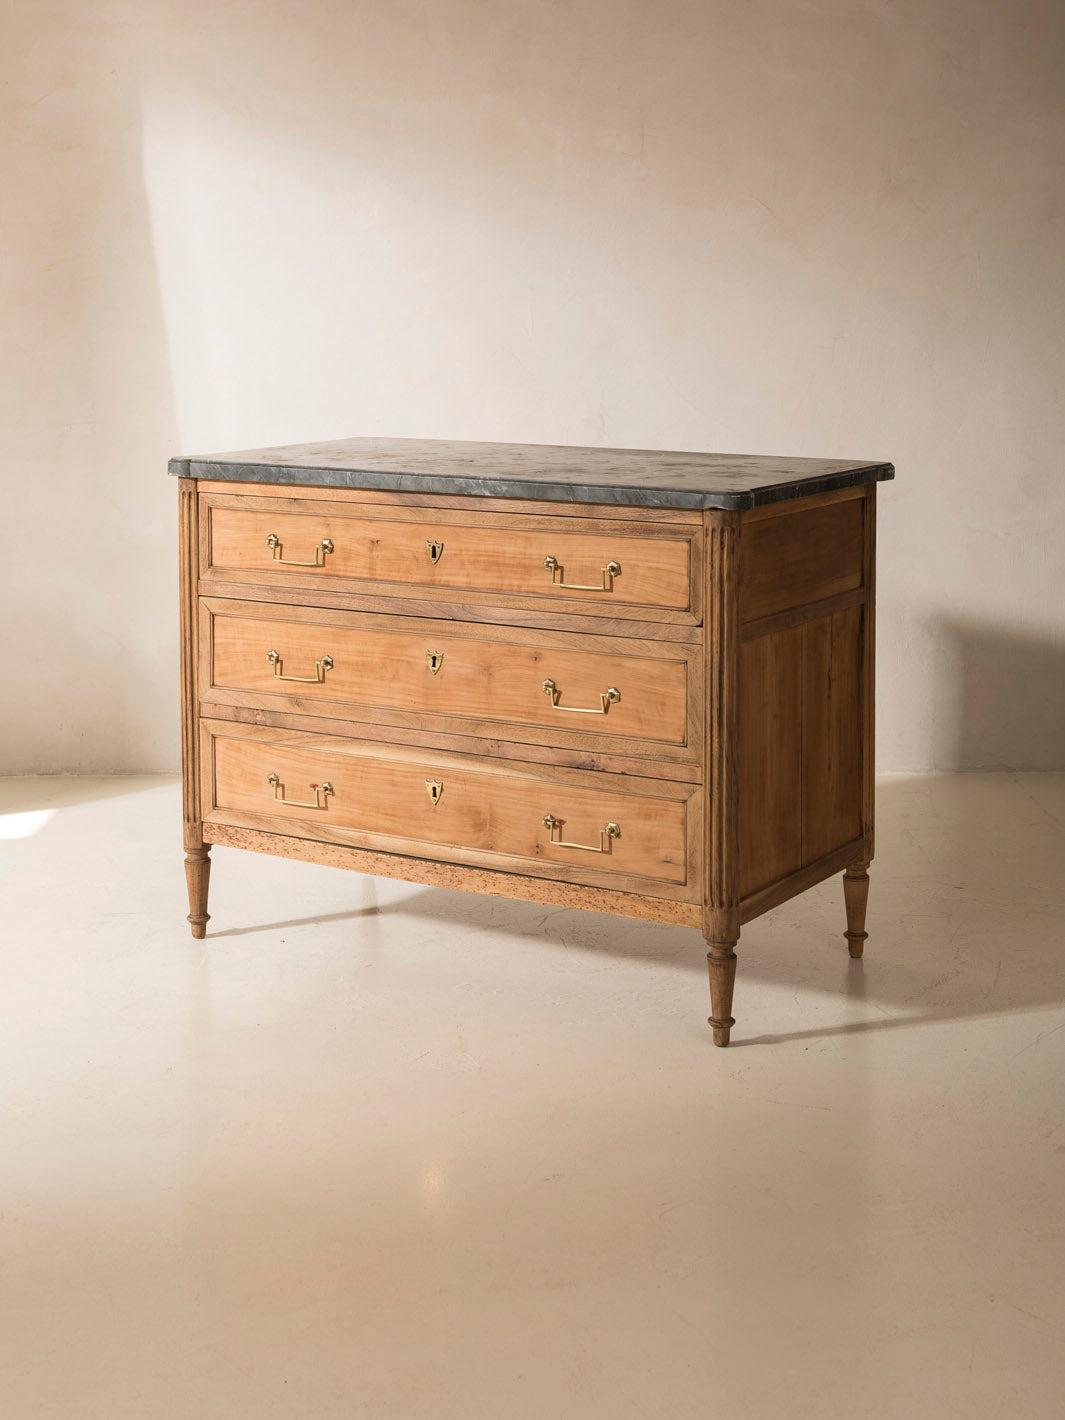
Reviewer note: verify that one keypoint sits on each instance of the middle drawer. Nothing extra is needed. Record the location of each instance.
(344, 664)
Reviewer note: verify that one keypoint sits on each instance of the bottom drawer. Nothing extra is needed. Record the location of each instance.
(454, 807)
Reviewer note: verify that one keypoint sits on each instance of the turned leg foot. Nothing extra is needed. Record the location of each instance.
(856, 896)
(721, 961)
(197, 876)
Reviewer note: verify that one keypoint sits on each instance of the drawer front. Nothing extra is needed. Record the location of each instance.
(327, 666)
(444, 807)
(601, 569)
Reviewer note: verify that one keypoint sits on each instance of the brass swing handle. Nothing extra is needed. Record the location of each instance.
(321, 793)
(320, 668)
(275, 545)
(558, 576)
(605, 835)
(606, 699)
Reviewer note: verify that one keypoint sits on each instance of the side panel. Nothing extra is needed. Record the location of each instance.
(770, 735)
(801, 556)
(806, 694)
(831, 733)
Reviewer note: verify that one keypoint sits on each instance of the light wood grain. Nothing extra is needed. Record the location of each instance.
(806, 556)
(856, 898)
(484, 808)
(831, 733)
(490, 513)
(721, 964)
(770, 753)
(494, 679)
(797, 615)
(787, 507)
(721, 912)
(434, 873)
(795, 883)
(475, 738)
(722, 660)
(806, 694)
(471, 609)
(737, 763)
(197, 882)
(806, 698)
(655, 570)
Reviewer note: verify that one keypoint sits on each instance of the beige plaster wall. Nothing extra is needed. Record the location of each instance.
(818, 227)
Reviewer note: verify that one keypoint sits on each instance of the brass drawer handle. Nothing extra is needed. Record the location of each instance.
(606, 699)
(558, 576)
(605, 835)
(318, 560)
(320, 668)
(321, 793)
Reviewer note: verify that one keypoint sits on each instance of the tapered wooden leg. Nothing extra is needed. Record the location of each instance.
(856, 896)
(198, 875)
(721, 960)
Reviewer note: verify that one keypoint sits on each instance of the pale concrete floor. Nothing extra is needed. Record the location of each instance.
(379, 1150)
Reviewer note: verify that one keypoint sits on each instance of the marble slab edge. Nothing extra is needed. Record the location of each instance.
(539, 490)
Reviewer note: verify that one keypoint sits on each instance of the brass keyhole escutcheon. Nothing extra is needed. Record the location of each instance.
(434, 660)
(435, 551)
(435, 790)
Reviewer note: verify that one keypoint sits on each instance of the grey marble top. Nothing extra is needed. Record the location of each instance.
(641, 477)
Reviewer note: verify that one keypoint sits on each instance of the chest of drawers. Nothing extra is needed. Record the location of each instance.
(635, 682)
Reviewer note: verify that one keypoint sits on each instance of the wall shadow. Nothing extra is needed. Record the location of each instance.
(1000, 697)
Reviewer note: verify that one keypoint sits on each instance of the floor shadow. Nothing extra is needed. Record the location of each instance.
(351, 916)
(966, 918)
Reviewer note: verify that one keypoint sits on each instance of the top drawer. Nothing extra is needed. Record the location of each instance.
(588, 565)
